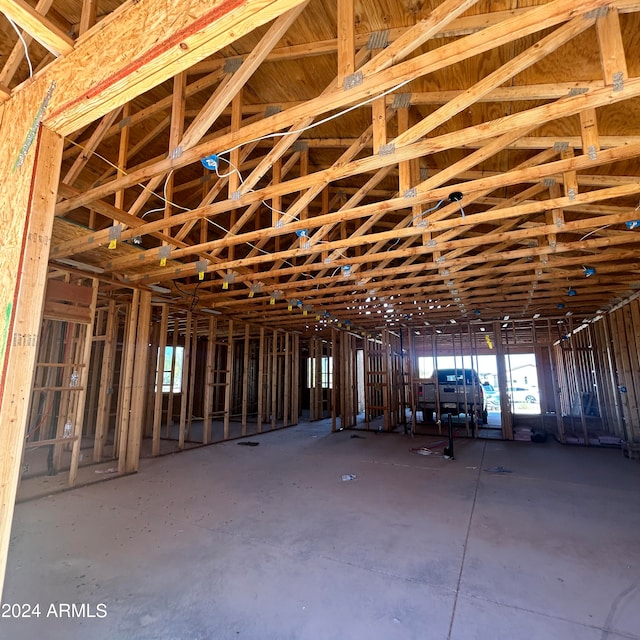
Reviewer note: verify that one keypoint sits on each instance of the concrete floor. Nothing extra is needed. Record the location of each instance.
(508, 541)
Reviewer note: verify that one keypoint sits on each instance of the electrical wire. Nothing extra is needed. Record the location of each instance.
(180, 289)
(146, 213)
(393, 245)
(165, 197)
(586, 235)
(282, 134)
(265, 137)
(235, 169)
(250, 244)
(422, 213)
(284, 213)
(24, 44)
(195, 299)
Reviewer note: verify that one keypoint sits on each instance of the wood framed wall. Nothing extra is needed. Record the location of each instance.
(224, 379)
(598, 366)
(320, 393)
(465, 342)
(60, 387)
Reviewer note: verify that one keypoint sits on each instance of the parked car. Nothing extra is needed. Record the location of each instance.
(452, 391)
(522, 394)
(491, 396)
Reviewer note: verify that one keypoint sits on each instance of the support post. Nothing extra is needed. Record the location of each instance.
(186, 382)
(209, 380)
(138, 394)
(126, 376)
(228, 383)
(84, 382)
(159, 395)
(28, 201)
(245, 379)
(261, 391)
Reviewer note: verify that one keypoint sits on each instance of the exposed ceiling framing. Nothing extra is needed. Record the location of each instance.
(378, 163)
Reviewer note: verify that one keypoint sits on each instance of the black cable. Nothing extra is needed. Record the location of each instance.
(180, 289)
(195, 299)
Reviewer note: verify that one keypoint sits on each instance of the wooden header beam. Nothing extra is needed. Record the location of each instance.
(89, 84)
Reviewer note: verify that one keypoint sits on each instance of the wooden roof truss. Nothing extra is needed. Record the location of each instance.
(465, 162)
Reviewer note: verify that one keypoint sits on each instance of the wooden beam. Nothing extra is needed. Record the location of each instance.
(245, 378)
(286, 142)
(235, 155)
(84, 350)
(484, 273)
(209, 380)
(186, 378)
(118, 215)
(346, 40)
(26, 223)
(363, 228)
(131, 151)
(221, 98)
(415, 36)
(404, 168)
(456, 28)
(123, 149)
(570, 176)
(88, 16)
(90, 146)
(612, 55)
(18, 53)
(513, 177)
(516, 65)
(159, 391)
(589, 131)
(227, 89)
(228, 382)
(530, 118)
(90, 85)
(534, 20)
(416, 281)
(43, 30)
(378, 109)
(123, 418)
(474, 219)
(261, 386)
(106, 382)
(138, 379)
(273, 380)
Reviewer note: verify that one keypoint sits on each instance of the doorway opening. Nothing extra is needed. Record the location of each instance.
(520, 385)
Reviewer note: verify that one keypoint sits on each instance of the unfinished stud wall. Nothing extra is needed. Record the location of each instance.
(384, 393)
(102, 369)
(319, 378)
(465, 342)
(223, 379)
(598, 367)
(462, 342)
(344, 390)
(55, 424)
